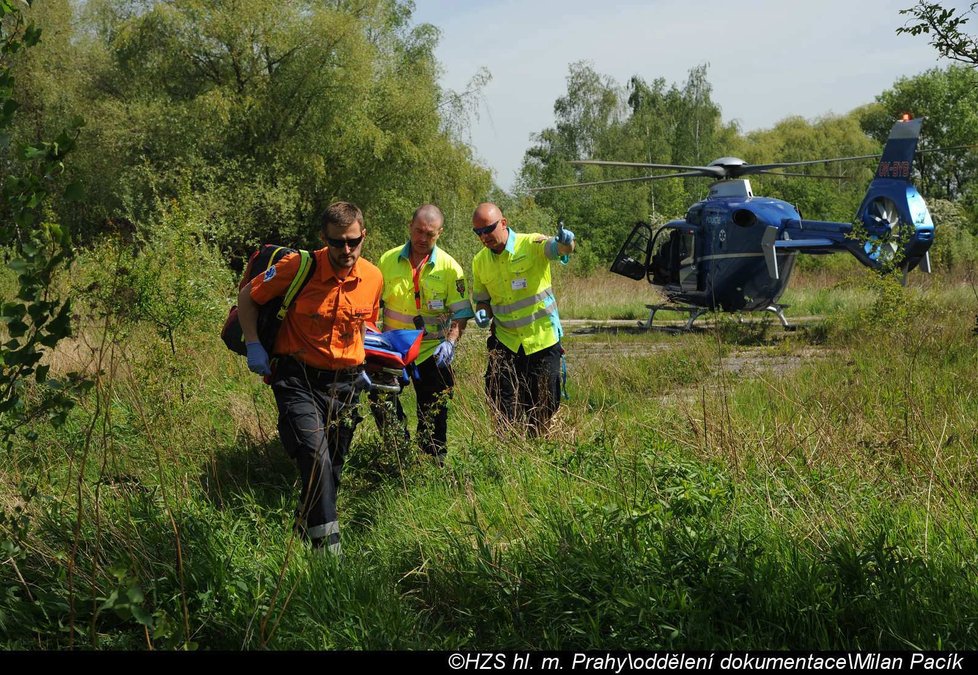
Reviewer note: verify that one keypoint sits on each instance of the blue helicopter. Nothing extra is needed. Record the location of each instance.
(735, 252)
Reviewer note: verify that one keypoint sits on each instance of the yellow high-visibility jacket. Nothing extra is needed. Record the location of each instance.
(443, 295)
(516, 284)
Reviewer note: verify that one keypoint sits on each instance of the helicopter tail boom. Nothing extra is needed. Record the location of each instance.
(773, 248)
(893, 216)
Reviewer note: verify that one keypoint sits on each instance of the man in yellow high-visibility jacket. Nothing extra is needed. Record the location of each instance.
(424, 287)
(512, 291)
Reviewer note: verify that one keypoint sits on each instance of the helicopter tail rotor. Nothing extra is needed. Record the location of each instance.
(895, 218)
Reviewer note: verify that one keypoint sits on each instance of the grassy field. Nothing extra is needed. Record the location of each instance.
(738, 487)
(607, 296)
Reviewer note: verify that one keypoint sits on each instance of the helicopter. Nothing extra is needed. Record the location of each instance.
(735, 251)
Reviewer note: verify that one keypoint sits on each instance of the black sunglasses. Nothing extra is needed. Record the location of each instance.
(479, 231)
(341, 243)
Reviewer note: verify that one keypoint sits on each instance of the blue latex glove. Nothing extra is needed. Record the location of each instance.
(444, 353)
(482, 318)
(257, 358)
(564, 236)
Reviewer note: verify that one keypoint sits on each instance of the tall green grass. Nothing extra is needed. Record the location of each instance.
(822, 498)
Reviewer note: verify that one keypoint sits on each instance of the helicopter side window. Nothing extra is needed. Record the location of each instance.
(673, 258)
(686, 259)
(663, 269)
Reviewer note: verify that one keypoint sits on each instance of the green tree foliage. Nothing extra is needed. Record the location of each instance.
(643, 122)
(588, 119)
(795, 139)
(34, 320)
(699, 133)
(948, 98)
(261, 115)
(956, 246)
(943, 26)
(676, 126)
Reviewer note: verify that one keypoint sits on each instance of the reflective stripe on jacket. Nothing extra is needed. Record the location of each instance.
(443, 294)
(516, 283)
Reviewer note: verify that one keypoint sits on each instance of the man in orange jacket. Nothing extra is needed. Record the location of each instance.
(319, 359)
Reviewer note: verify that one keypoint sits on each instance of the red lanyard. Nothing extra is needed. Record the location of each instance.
(416, 273)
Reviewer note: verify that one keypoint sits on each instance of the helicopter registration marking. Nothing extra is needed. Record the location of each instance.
(894, 170)
(518, 284)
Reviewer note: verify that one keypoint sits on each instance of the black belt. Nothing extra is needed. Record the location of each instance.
(290, 366)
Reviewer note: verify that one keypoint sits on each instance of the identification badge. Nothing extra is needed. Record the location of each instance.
(519, 284)
(436, 304)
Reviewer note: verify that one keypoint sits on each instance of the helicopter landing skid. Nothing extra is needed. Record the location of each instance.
(694, 313)
(778, 311)
(697, 312)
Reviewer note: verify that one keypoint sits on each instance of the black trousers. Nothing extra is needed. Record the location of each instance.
(317, 415)
(433, 387)
(524, 389)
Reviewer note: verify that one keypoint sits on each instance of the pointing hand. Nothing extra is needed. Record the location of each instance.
(564, 236)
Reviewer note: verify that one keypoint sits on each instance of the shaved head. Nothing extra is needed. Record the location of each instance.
(428, 213)
(486, 213)
(426, 226)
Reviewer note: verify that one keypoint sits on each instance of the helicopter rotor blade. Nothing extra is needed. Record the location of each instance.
(804, 175)
(729, 169)
(953, 147)
(685, 174)
(757, 168)
(639, 165)
(700, 170)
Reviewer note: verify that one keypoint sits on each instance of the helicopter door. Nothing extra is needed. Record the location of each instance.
(632, 260)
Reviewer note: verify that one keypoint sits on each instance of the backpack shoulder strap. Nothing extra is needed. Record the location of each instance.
(307, 265)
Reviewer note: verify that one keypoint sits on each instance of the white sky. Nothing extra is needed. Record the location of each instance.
(768, 59)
